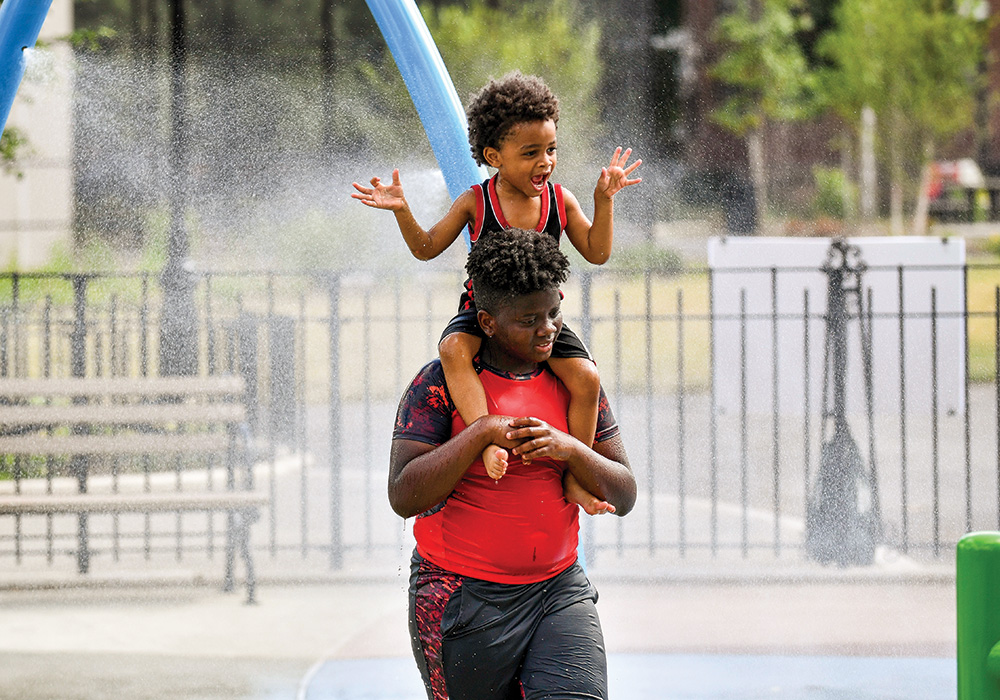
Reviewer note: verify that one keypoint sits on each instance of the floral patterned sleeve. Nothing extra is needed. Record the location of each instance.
(425, 411)
(607, 425)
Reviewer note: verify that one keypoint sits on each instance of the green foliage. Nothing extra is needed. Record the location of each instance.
(914, 62)
(991, 245)
(480, 40)
(642, 257)
(564, 52)
(11, 142)
(764, 62)
(87, 39)
(831, 185)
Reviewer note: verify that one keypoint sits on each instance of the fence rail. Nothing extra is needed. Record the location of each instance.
(724, 405)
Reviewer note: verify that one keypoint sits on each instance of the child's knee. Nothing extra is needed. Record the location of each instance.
(458, 347)
(584, 380)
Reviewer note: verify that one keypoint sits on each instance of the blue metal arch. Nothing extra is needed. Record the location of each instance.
(20, 23)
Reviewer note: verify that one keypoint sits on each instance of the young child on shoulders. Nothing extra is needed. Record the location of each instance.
(512, 129)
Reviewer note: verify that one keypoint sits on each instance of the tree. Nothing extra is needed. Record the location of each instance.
(564, 51)
(11, 141)
(767, 70)
(912, 62)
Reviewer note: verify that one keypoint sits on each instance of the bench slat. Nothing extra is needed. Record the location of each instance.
(121, 444)
(122, 414)
(131, 503)
(215, 385)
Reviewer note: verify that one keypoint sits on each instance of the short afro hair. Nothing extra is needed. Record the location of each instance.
(514, 262)
(502, 104)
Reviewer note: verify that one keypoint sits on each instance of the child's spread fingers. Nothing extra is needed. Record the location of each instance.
(629, 169)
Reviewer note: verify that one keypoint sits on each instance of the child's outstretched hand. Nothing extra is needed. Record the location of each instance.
(615, 177)
(380, 196)
(495, 461)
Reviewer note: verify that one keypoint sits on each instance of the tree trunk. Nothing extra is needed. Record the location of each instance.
(921, 211)
(847, 203)
(868, 174)
(896, 225)
(328, 62)
(758, 171)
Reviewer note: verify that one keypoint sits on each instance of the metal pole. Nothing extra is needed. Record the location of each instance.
(334, 431)
(78, 368)
(178, 322)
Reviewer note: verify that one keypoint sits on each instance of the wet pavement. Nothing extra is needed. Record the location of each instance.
(874, 638)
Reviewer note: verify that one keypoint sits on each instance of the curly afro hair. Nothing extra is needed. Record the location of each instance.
(504, 103)
(512, 263)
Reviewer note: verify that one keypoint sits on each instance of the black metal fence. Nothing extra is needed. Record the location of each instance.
(723, 382)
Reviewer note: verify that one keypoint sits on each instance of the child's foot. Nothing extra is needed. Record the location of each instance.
(495, 461)
(591, 504)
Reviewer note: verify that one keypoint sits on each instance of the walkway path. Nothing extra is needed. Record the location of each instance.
(197, 643)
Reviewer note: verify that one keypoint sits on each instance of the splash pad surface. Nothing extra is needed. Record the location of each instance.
(683, 677)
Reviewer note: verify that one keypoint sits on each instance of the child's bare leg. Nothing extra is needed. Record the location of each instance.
(584, 384)
(456, 351)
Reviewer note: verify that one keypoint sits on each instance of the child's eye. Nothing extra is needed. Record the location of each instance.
(552, 149)
(528, 321)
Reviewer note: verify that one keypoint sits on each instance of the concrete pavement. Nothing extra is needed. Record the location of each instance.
(196, 642)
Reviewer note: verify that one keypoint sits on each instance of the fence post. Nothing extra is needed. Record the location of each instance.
(78, 368)
(976, 582)
(336, 532)
(587, 547)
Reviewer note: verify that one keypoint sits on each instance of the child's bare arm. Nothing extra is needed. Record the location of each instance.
(424, 245)
(593, 239)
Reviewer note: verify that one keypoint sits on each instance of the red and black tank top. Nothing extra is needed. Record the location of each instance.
(490, 218)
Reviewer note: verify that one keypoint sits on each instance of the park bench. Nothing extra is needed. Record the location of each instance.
(140, 438)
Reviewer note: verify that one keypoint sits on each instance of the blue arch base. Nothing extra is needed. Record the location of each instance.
(20, 23)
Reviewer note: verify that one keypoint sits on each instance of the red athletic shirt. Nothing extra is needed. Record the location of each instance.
(520, 530)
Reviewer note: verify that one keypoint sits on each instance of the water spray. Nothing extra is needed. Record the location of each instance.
(20, 23)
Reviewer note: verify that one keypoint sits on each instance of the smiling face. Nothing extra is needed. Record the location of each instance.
(526, 157)
(521, 333)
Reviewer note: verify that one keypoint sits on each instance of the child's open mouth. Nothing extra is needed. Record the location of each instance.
(539, 181)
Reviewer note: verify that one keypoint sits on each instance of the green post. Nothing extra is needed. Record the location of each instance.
(978, 606)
